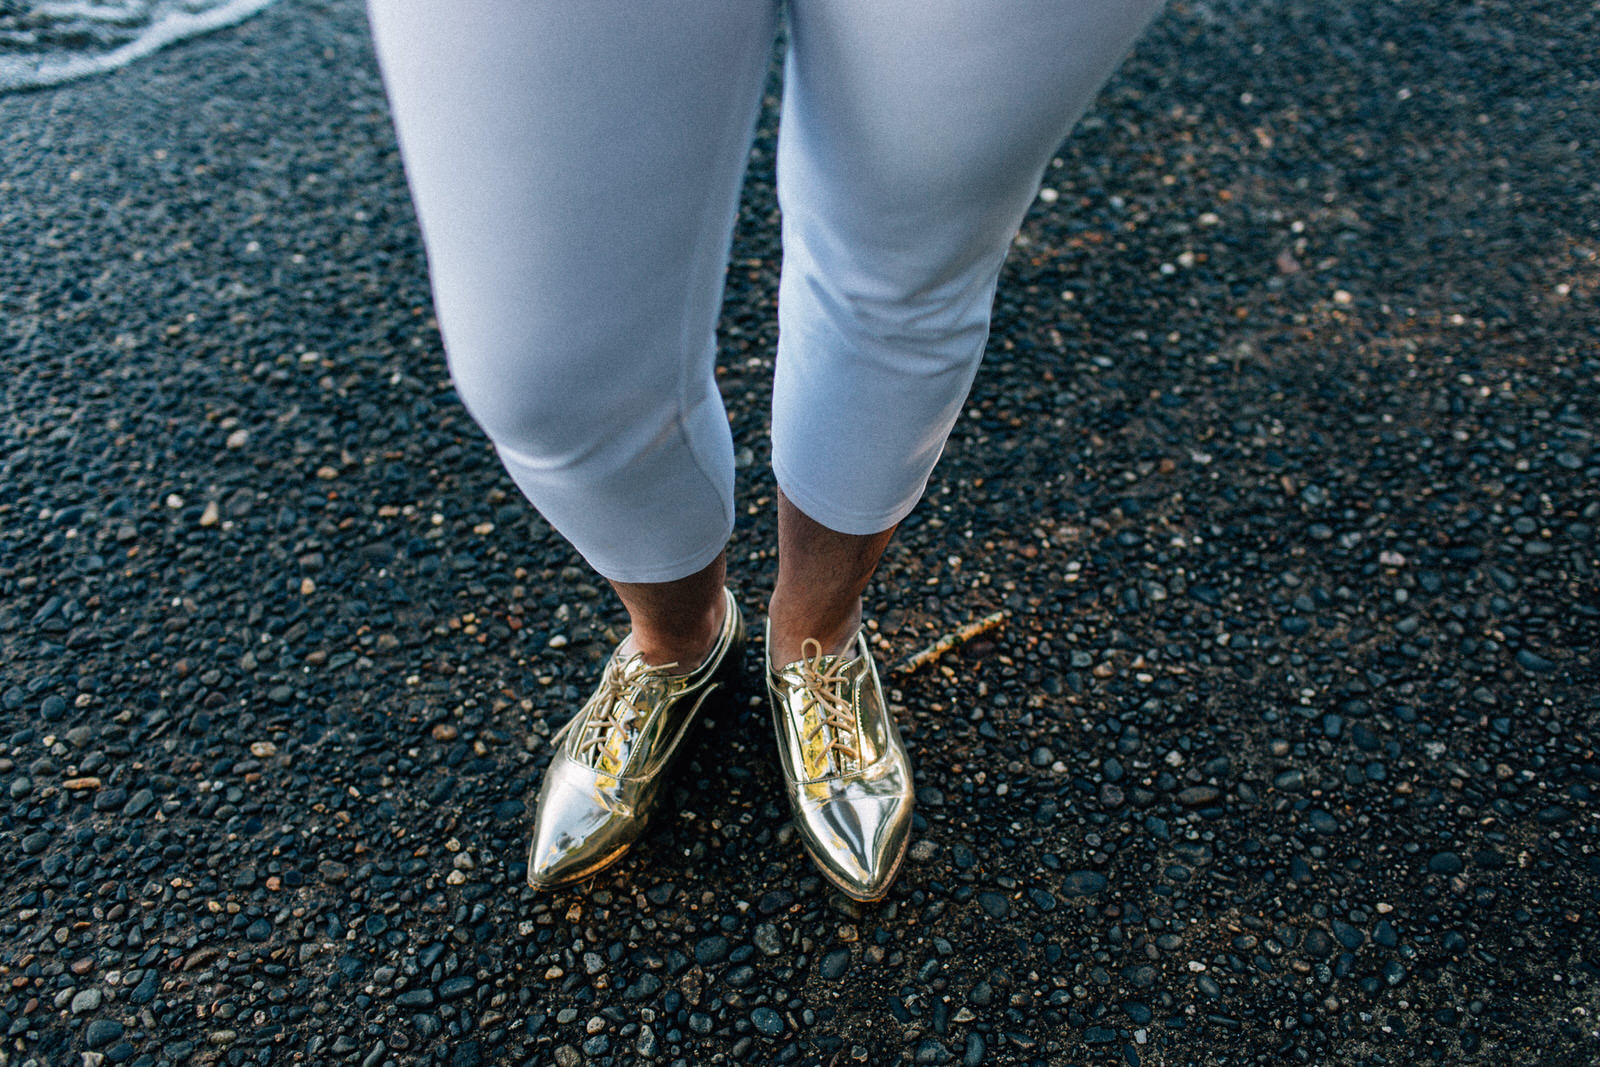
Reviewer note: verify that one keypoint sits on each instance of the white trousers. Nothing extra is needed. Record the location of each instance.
(576, 166)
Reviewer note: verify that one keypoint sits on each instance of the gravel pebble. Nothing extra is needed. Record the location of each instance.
(101, 1032)
(1084, 883)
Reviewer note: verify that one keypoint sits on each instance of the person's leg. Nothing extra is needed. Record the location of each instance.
(676, 622)
(576, 171)
(914, 136)
(576, 167)
(821, 574)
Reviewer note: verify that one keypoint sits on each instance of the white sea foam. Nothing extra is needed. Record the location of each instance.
(47, 42)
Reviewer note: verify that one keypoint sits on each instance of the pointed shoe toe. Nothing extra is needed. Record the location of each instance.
(857, 840)
(581, 827)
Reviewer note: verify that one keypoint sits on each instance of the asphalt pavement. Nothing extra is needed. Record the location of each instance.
(1282, 470)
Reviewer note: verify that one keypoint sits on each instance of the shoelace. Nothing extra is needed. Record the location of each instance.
(822, 684)
(624, 696)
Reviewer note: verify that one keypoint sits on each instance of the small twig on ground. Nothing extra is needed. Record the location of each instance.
(949, 641)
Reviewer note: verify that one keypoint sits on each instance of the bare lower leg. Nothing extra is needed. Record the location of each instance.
(821, 574)
(676, 622)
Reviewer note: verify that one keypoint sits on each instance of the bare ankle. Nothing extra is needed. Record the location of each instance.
(789, 632)
(676, 622)
(683, 648)
(821, 574)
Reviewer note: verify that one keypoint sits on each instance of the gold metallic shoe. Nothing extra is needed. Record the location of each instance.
(612, 758)
(848, 778)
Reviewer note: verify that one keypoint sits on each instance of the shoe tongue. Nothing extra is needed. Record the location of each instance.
(820, 759)
(611, 754)
(616, 736)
